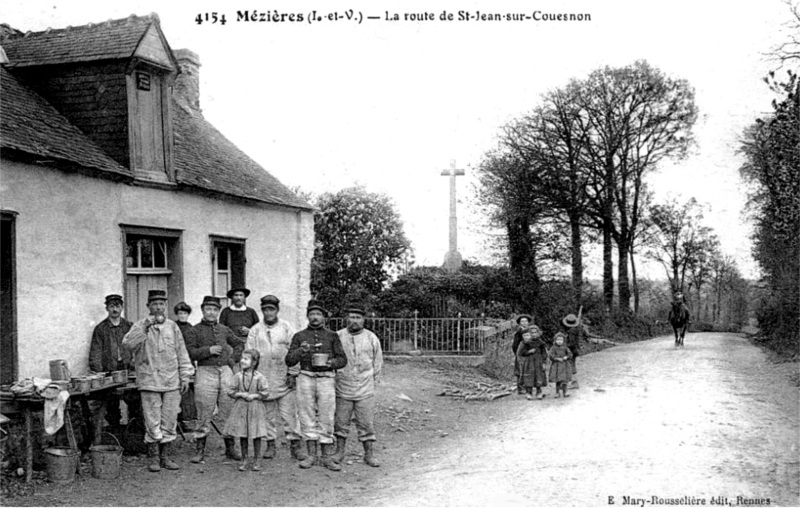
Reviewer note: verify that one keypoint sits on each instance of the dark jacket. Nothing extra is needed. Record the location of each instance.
(329, 343)
(184, 327)
(235, 320)
(106, 346)
(205, 334)
(575, 336)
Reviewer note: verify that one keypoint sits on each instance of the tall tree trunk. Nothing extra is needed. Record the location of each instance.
(623, 286)
(521, 251)
(608, 267)
(577, 260)
(635, 282)
(608, 227)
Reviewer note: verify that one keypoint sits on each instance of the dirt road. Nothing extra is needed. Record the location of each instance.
(687, 426)
(712, 419)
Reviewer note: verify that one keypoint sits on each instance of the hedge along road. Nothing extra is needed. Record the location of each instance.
(714, 421)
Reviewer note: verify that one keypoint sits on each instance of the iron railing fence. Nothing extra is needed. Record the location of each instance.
(431, 336)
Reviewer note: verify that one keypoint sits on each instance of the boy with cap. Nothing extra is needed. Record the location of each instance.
(106, 354)
(163, 369)
(211, 344)
(319, 352)
(355, 385)
(271, 337)
(239, 318)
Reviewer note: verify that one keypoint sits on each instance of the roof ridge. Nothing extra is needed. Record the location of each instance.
(129, 20)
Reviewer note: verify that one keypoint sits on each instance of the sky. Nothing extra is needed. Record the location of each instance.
(389, 104)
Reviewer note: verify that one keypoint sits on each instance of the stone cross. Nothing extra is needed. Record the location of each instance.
(452, 260)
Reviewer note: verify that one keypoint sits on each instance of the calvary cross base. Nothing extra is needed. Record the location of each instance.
(452, 260)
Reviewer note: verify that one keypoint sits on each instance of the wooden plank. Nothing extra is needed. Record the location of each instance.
(28, 443)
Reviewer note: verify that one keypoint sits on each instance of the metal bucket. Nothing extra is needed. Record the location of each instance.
(97, 381)
(120, 376)
(106, 460)
(62, 461)
(319, 359)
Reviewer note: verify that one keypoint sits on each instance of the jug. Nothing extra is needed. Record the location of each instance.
(59, 370)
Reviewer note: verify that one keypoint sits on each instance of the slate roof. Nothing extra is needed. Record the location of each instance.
(203, 158)
(113, 39)
(206, 159)
(30, 124)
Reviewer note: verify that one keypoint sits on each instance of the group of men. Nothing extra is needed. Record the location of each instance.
(319, 380)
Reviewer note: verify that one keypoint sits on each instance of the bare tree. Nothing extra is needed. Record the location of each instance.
(637, 117)
(789, 50)
(678, 238)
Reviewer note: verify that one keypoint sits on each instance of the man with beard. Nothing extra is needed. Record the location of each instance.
(163, 369)
(239, 318)
(271, 338)
(355, 385)
(319, 353)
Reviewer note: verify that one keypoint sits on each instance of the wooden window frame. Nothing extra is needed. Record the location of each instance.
(216, 241)
(175, 289)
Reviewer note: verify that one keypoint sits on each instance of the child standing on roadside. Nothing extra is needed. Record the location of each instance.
(531, 355)
(524, 322)
(248, 419)
(560, 368)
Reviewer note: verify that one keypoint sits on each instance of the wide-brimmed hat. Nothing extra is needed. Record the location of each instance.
(356, 309)
(530, 319)
(113, 298)
(270, 301)
(156, 294)
(211, 300)
(234, 290)
(571, 321)
(183, 306)
(316, 305)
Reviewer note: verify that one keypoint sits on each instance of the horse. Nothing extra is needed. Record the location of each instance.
(679, 319)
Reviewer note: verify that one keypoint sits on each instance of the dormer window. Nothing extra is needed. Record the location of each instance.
(148, 121)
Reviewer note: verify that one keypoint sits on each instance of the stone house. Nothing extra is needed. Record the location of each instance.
(111, 181)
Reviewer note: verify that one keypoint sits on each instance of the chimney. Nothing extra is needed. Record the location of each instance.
(187, 84)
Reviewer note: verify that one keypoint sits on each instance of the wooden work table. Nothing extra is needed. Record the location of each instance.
(30, 403)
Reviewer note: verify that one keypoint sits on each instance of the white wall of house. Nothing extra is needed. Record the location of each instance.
(69, 254)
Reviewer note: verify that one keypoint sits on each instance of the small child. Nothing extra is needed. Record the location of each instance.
(531, 355)
(560, 368)
(248, 419)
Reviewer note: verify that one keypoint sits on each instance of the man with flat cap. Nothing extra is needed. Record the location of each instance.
(355, 385)
(211, 344)
(163, 369)
(239, 318)
(106, 354)
(319, 352)
(271, 338)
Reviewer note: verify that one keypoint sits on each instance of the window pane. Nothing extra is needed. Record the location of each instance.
(160, 254)
(222, 258)
(147, 252)
(131, 253)
(222, 284)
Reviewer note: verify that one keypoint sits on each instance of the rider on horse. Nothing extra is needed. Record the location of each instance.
(679, 298)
